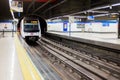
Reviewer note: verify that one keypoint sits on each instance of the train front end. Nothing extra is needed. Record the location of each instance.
(31, 29)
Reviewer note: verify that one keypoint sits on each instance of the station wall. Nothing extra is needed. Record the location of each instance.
(98, 26)
(101, 27)
(53, 26)
(6, 26)
(76, 27)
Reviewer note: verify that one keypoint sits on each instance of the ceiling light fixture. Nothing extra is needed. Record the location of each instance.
(104, 14)
(110, 7)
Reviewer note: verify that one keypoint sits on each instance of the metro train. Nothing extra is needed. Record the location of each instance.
(30, 29)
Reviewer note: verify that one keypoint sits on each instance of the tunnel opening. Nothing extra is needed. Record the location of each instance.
(42, 21)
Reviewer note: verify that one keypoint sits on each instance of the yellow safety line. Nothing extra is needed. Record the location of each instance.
(28, 69)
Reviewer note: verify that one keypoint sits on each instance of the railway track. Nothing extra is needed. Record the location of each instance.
(63, 72)
(87, 66)
(46, 72)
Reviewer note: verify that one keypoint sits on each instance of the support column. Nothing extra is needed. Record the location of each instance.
(119, 27)
(71, 20)
(13, 24)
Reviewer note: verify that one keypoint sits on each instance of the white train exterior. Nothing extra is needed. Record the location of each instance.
(30, 29)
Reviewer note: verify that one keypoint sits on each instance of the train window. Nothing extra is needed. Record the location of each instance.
(31, 28)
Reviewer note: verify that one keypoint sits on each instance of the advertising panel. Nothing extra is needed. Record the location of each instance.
(65, 26)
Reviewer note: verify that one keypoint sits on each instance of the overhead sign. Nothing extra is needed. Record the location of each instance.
(17, 6)
(105, 24)
(39, 0)
(90, 17)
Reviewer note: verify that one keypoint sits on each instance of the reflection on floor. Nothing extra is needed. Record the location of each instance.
(9, 64)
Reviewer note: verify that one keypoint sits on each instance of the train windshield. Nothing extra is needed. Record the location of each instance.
(31, 28)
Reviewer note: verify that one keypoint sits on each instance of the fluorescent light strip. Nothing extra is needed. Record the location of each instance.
(97, 8)
(100, 15)
(12, 14)
(99, 11)
(80, 16)
(11, 9)
(10, 3)
(104, 14)
(117, 4)
(92, 10)
(103, 7)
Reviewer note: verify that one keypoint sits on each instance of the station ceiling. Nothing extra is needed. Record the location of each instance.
(53, 8)
(5, 13)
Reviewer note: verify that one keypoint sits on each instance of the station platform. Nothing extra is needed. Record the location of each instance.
(15, 64)
(9, 63)
(109, 40)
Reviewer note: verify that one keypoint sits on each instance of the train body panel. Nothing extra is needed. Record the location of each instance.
(30, 29)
